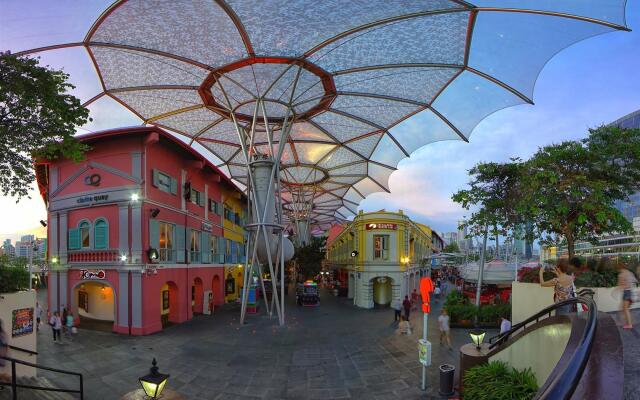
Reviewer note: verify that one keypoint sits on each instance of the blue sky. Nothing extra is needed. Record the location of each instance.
(591, 83)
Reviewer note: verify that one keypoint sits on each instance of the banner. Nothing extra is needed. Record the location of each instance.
(22, 322)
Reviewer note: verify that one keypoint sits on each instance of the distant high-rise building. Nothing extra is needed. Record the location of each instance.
(450, 237)
(8, 249)
(630, 209)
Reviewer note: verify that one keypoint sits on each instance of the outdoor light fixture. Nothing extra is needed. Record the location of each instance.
(54, 260)
(43, 223)
(354, 253)
(123, 258)
(152, 254)
(135, 197)
(155, 212)
(154, 382)
(477, 336)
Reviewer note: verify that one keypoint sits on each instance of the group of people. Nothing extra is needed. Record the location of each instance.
(564, 287)
(62, 324)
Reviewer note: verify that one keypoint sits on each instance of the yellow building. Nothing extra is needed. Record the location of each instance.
(234, 213)
(379, 256)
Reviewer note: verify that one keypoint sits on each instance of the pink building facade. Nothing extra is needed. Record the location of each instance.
(135, 231)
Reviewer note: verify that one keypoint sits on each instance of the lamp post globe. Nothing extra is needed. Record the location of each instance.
(154, 382)
(477, 336)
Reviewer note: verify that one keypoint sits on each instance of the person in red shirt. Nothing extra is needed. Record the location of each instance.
(406, 304)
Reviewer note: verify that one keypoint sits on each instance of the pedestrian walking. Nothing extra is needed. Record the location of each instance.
(397, 310)
(4, 350)
(436, 292)
(414, 299)
(56, 327)
(627, 282)
(68, 322)
(404, 328)
(406, 304)
(505, 324)
(562, 286)
(38, 315)
(443, 326)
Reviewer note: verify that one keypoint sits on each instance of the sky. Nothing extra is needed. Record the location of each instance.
(591, 83)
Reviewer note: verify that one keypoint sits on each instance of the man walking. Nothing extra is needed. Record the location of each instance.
(397, 310)
(406, 304)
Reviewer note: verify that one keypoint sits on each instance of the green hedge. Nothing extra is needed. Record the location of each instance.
(13, 279)
(498, 381)
(459, 309)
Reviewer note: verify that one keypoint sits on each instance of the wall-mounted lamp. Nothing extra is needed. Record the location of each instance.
(155, 212)
(123, 258)
(135, 197)
(43, 223)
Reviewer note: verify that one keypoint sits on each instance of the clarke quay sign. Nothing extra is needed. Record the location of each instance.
(93, 199)
(92, 274)
(373, 226)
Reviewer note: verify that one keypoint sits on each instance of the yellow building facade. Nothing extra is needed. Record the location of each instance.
(234, 217)
(380, 256)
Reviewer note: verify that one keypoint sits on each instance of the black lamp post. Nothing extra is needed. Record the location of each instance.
(154, 382)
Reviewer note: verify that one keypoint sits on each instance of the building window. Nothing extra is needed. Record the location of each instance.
(381, 247)
(194, 247)
(85, 235)
(197, 197)
(227, 250)
(100, 234)
(214, 207)
(165, 182)
(166, 241)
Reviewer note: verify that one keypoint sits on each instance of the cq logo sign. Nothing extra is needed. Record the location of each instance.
(92, 180)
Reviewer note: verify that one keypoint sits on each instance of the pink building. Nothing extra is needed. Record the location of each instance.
(135, 230)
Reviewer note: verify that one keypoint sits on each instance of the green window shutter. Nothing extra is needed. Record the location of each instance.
(219, 209)
(174, 186)
(201, 199)
(101, 235)
(74, 239)
(180, 245)
(156, 179)
(154, 234)
(205, 239)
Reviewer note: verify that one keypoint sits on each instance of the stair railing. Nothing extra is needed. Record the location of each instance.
(15, 385)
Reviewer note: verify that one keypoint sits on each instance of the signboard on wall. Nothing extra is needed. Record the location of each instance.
(207, 227)
(22, 322)
(92, 274)
(373, 226)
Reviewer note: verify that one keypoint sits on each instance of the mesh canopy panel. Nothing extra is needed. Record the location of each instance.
(341, 75)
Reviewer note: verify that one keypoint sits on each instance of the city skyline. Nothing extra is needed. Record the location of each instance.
(567, 105)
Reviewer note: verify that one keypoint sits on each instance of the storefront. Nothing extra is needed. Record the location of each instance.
(135, 231)
(379, 256)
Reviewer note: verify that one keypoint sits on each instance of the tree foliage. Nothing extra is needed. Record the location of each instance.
(38, 119)
(451, 248)
(309, 258)
(566, 191)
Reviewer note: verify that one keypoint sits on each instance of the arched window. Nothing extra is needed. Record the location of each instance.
(85, 235)
(101, 234)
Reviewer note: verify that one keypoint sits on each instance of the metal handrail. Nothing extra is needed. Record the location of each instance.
(30, 352)
(15, 385)
(563, 383)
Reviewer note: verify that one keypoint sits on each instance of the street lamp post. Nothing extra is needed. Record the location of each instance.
(481, 269)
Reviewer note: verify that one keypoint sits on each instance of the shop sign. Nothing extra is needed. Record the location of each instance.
(93, 199)
(22, 322)
(92, 274)
(424, 352)
(207, 227)
(373, 226)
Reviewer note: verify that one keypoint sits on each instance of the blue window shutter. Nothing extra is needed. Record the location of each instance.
(204, 247)
(180, 245)
(74, 239)
(156, 179)
(174, 186)
(154, 234)
(101, 235)
(221, 250)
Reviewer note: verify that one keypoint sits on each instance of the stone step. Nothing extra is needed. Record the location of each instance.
(31, 394)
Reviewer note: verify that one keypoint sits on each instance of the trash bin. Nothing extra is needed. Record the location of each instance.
(447, 372)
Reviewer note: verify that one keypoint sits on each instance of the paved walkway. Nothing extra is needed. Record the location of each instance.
(334, 351)
(631, 344)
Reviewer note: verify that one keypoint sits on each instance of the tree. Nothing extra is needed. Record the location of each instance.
(495, 192)
(309, 258)
(571, 187)
(451, 248)
(38, 119)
